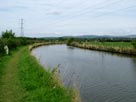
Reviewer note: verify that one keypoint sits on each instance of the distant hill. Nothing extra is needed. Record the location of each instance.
(105, 36)
(95, 37)
(131, 36)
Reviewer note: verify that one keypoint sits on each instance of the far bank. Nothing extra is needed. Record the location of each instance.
(113, 47)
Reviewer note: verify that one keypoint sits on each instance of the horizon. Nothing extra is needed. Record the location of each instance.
(69, 18)
(127, 35)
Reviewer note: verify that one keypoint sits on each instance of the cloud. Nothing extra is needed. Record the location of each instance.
(68, 16)
(12, 8)
(54, 12)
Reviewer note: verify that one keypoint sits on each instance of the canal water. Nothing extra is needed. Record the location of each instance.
(99, 76)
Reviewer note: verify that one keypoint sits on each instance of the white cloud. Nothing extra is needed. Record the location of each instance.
(54, 12)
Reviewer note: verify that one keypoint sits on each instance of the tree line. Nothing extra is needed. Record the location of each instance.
(8, 38)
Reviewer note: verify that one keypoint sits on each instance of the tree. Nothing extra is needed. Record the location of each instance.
(8, 34)
(134, 43)
(70, 40)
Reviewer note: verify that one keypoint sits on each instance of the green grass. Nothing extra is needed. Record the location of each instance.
(10, 88)
(22, 79)
(114, 47)
(3, 61)
(39, 84)
(111, 44)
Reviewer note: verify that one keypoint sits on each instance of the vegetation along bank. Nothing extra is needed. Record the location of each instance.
(114, 47)
(23, 79)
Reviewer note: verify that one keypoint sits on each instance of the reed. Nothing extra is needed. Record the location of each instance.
(114, 47)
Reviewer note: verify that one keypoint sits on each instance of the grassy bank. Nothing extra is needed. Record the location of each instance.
(22, 79)
(114, 47)
(10, 88)
(44, 43)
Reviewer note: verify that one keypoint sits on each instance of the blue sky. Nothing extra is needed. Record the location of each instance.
(69, 17)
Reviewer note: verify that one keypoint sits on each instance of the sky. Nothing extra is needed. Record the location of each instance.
(53, 18)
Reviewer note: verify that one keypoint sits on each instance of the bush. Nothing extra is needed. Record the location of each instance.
(134, 43)
(1, 47)
(8, 38)
(8, 34)
(70, 40)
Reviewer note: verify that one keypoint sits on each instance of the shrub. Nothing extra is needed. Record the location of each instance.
(70, 40)
(8, 34)
(1, 47)
(134, 43)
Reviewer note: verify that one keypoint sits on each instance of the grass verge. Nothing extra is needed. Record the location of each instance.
(114, 47)
(22, 79)
(39, 83)
(10, 88)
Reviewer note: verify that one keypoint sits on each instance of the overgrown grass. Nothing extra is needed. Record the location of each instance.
(22, 79)
(3, 61)
(114, 47)
(40, 85)
(10, 88)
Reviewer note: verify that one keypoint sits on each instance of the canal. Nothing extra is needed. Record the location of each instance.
(99, 76)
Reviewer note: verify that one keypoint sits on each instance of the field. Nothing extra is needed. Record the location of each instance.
(111, 44)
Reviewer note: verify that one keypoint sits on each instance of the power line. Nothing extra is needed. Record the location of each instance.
(86, 9)
(115, 11)
(108, 13)
(89, 9)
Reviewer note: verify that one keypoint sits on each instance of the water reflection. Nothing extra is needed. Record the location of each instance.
(70, 47)
(134, 62)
